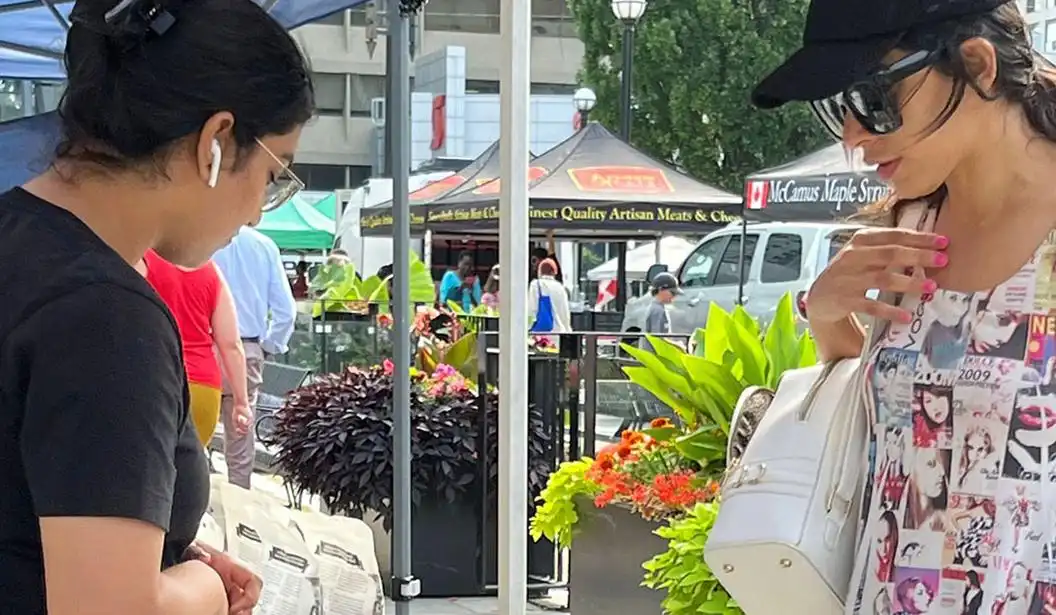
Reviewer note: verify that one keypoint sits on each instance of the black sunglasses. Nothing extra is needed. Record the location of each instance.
(872, 100)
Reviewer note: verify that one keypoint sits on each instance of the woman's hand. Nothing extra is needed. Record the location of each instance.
(889, 260)
(242, 585)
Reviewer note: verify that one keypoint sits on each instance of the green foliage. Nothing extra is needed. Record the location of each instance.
(556, 515)
(339, 290)
(461, 355)
(695, 64)
(691, 587)
(703, 386)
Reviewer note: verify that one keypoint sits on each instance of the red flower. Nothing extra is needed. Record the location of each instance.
(660, 423)
(388, 366)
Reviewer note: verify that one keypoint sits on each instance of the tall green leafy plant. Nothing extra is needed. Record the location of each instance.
(340, 290)
(703, 387)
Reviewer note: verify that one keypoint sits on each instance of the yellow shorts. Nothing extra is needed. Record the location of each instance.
(205, 410)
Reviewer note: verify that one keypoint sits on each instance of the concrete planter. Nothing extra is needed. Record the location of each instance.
(606, 562)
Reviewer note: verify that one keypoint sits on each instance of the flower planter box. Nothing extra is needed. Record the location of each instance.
(607, 553)
(445, 547)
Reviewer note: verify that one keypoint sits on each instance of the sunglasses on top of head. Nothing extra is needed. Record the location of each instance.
(872, 101)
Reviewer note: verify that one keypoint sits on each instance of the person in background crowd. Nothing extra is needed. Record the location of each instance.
(664, 289)
(300, 282)
(490, 297)
(205, 315)
(338, 257)
(546, 285)
(164, 144)
(461, 285)
(540, 254)
(253, 268)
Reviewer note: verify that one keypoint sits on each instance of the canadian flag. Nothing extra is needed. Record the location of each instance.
(756, 194)
(606, 293)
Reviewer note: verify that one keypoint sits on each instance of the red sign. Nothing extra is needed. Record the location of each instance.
(439, 122)
(623, 180)
(489, 186)
(440, 187)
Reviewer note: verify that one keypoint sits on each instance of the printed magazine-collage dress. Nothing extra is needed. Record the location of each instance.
(959, 517)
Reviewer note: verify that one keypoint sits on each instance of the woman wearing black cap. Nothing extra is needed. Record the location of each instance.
(179, 122)
(948, 99)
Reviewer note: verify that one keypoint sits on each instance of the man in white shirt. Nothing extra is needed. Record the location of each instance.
(252, 265)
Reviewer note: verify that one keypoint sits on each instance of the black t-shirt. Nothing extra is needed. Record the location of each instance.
(93, 396)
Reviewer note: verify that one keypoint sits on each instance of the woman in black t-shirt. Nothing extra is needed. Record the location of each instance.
(179, 122)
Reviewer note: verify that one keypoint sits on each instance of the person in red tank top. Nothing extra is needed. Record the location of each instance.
(205, 315)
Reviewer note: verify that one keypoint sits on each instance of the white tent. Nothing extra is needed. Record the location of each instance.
(673, 250)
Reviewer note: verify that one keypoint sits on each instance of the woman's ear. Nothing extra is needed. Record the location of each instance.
(980, 60)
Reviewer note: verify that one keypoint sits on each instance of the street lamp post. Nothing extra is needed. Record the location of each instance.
(628, 12)
(584, 99)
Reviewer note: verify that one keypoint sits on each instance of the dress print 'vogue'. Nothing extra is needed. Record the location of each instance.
(959, 514)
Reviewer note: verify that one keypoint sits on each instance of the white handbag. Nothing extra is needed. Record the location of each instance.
(783, 542)
(784, 539)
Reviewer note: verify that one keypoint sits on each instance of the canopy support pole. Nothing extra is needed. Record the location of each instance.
(740, 260)
(398, 113)
(515, 18)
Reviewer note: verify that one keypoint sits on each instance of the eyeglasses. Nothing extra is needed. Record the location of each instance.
(283, 187)
(872, 101)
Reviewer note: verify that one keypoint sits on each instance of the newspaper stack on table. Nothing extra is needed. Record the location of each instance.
(311, 563)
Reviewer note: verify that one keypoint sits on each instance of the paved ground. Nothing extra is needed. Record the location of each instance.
(456, 606)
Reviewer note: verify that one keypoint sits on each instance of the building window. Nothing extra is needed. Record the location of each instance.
(481, 16)
(553, 88)
(364, 89)
(1031, 6)
(327, 177)
(481, 86)
(329, 93)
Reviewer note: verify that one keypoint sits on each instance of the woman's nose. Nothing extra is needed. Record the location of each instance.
(854, 134)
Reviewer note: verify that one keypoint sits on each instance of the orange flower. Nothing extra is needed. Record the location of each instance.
(624, 450)
(661, 422)
(605, 461)
(632, 437)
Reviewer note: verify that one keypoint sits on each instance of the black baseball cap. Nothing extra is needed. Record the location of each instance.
(666, 281)
(845, 39)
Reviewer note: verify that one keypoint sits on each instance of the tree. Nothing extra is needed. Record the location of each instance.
(695, 64)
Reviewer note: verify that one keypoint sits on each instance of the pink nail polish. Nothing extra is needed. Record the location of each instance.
(941, 260)
(942, 241)
(930, 286)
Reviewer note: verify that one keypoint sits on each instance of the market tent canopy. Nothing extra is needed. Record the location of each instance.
(591, 184)
(673, 250)
(33, 32)
(297, 225)
(32, 39)
(482, 170)
(824, 185)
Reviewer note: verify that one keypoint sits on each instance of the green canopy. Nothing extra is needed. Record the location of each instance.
(328, 207)
(297, 225)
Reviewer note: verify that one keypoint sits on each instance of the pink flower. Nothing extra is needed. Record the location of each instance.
(388, 366)
(444, 371)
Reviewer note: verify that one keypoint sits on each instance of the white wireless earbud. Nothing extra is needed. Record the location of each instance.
(214, 167)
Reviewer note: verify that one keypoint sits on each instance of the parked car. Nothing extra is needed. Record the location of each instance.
(779, 257)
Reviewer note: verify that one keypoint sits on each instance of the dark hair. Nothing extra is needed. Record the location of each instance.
(1019, 78)
(464, 254)
(338, 252)
(492, 285)
(133, 93)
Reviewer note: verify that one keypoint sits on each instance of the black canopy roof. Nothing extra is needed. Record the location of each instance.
(823, 185)
(591, 184)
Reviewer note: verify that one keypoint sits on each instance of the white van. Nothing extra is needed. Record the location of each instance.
(780, 257)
